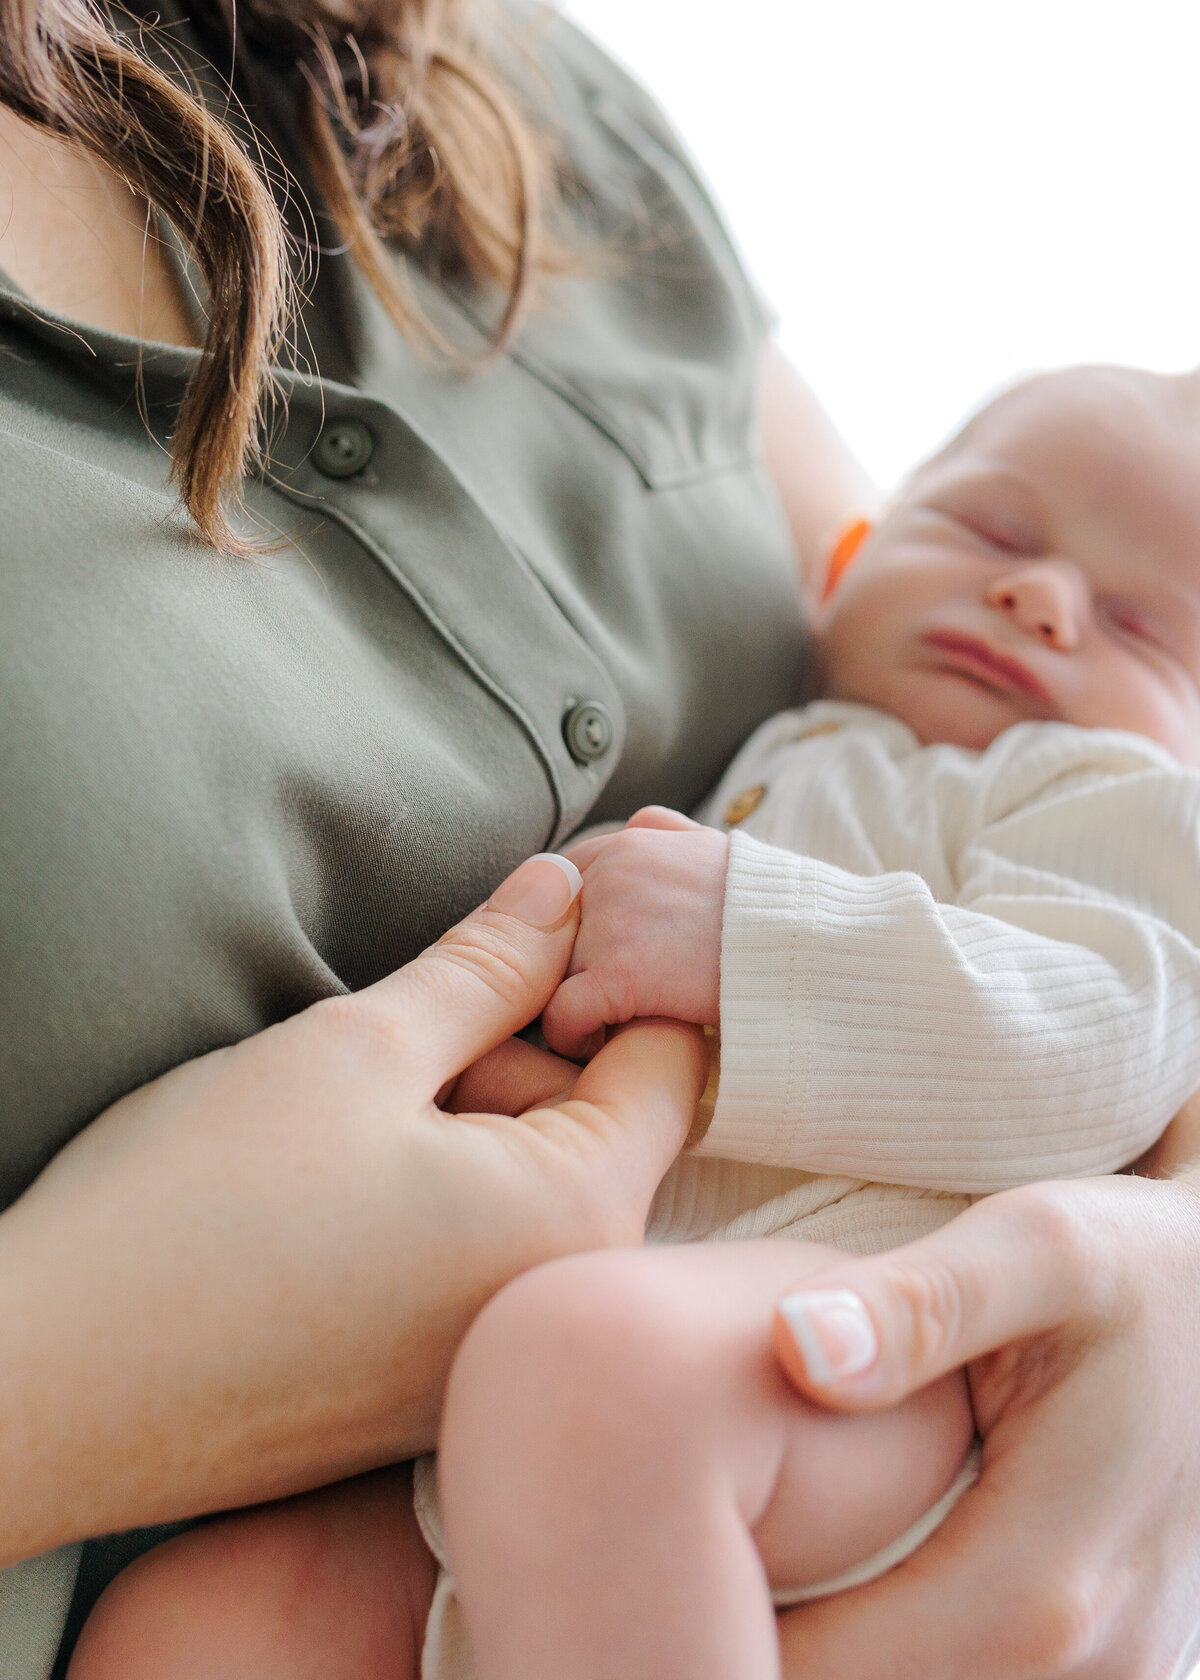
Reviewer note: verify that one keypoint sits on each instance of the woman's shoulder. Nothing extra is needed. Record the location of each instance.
(601, 93)
(569, 53)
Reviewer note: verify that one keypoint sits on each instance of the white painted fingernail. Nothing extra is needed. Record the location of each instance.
(832, 1330)
(540, 892)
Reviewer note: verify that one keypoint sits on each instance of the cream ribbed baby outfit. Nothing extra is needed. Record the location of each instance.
(942, 973)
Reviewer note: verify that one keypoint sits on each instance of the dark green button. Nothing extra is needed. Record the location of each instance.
(343, 448)
(588, 731)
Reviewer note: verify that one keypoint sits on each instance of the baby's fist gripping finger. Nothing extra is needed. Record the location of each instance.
(649, 940)
(576, 1013)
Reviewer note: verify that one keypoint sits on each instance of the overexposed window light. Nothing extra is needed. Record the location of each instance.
(939, 195)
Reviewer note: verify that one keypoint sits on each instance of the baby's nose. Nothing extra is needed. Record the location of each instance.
(1046, 600)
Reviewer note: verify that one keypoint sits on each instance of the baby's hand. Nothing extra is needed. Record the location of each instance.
(649, 941)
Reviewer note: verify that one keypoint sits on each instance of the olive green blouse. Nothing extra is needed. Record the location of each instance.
(501, 604)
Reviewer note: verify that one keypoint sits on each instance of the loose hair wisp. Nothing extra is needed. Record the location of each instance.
(414, 140)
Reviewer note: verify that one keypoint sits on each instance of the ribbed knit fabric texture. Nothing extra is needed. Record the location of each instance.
(943, 973)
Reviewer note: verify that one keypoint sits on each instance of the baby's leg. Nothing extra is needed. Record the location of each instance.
(333, 1585)
(626, 1475)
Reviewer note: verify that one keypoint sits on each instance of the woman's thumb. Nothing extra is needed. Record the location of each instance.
(863, 1334)
(489, 976)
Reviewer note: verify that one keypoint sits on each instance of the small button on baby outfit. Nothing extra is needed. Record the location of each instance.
(588, 731)
(343, 448)
(744, 805)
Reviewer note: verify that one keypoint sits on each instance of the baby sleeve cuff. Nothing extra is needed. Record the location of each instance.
(767, 955)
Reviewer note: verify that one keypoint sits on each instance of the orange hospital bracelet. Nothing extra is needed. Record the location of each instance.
(844, 550)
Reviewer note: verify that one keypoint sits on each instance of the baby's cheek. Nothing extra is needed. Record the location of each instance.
(1124, 693)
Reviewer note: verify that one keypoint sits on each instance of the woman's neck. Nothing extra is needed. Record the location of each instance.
(80, 242)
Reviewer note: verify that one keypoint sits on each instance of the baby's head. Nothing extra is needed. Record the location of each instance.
(1046, 564)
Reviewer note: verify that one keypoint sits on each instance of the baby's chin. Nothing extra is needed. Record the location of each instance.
(940, 707)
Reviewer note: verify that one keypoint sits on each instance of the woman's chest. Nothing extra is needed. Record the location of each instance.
(229, 789)
(226, 789)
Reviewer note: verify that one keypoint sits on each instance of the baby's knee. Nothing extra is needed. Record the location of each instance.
(590, 1342)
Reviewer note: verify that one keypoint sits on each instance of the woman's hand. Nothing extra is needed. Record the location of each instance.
(1076, 1307)
(250, 1276)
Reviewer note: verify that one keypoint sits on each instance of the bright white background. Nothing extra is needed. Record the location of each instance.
(938, 195)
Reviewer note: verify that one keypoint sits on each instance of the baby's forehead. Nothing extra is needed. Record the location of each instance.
(1104, 459)
(1123, 407)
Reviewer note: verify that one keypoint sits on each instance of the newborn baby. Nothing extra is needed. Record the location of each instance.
(947, 922)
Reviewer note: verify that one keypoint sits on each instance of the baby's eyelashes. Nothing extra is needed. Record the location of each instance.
(1126, 617)
(996, 529)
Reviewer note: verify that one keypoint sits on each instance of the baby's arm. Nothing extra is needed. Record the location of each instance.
(1041, 1020)
(649, 940)
(1039, 1017)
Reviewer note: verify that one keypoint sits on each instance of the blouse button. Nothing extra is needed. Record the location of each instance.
(588, 731)
(343, 448)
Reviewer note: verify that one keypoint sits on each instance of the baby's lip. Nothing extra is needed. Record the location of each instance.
(974, 657)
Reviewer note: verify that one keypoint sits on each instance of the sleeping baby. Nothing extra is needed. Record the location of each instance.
(947, 920)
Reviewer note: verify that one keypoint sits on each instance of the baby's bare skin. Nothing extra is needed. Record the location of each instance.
(332, 1585)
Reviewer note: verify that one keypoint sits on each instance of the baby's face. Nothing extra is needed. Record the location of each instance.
(1045, 565)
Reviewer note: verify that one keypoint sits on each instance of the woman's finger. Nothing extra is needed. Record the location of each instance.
(652, 1059)
(1062, 1561)
(485, 979)
(1074, 1554)
(865, 1333)
(609, 1140)
(638, 1095)
(917, 1619)
(930, 1617)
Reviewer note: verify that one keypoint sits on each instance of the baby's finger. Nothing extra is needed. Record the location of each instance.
(660, 816)
(579, 1009)
(587, 851)
(512, 1078)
